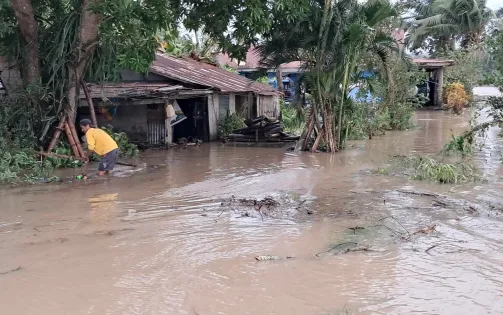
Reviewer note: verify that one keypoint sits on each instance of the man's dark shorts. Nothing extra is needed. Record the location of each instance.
(107, 162)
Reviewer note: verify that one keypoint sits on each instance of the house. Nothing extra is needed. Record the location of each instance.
(252, 69)
(291, 71)
(205, 94)
(435, 84)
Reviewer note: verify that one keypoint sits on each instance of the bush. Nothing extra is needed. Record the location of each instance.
(230, 123)
(293, 119)
(400, 115)
(455, 97)
(126, 149)
(25, 119)
(467, 68)
(461, 145)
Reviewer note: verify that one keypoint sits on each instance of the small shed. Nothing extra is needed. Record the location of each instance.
(205, 93)
(436, 68)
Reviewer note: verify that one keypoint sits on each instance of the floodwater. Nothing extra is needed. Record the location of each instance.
(171, 240)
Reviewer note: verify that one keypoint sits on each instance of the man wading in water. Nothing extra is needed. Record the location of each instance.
(99, 142)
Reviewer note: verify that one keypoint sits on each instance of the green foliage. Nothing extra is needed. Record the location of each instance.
(333, 40)
(400, 115)
(432, 169)
(401, 104)
(234, 24)
(467, 68)
(126, 149)
(493, 108)
(22, 165)
(494, 46)
(458, 145)
(230, 123)
(385, 111)
(263, 80)
(229, 68)
(293, 119)
(14, 162)
(25, 118)
(439, 24)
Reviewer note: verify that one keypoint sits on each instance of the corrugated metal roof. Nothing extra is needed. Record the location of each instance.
(252, 62)
(129, 89)
(432, 62)
(195, 72)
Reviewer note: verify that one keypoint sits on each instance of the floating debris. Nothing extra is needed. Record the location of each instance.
(269, 257)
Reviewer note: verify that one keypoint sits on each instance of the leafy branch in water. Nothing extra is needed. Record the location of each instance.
(429, 168)
(459, 145)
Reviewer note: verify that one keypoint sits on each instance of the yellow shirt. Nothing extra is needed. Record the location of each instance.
(99, 141)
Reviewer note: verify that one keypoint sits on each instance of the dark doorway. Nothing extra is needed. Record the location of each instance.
(196, 124)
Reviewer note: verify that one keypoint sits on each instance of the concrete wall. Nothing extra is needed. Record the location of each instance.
(11, 77)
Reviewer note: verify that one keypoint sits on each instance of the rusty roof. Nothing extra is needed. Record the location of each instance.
(129, 89)
(198, 73)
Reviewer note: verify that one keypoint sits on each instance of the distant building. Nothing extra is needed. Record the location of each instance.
(252, 69)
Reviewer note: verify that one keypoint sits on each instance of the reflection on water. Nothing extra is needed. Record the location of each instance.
(159, 243)
(103, 208)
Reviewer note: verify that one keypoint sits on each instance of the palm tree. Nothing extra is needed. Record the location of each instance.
(445, 22)
(331, 39)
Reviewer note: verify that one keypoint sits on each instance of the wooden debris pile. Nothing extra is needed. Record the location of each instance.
(261, 129)
(284, 206)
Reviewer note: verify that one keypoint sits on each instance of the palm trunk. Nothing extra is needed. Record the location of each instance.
(84, 48)
(329, 128)
(391, 85)
(28, 28)
(317, 141)
(341, 107)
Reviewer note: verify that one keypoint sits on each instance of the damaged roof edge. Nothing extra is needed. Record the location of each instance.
(202, 74)
(137, 90)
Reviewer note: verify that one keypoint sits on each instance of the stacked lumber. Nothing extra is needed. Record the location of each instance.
(261, 129)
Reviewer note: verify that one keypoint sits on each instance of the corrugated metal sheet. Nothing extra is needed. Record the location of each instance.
(223, 105)
(129, 89)
(194, 72)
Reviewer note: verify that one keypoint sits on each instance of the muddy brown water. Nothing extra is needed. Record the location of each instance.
(161, 242)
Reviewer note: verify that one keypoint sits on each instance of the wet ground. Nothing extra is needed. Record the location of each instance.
(170, 239)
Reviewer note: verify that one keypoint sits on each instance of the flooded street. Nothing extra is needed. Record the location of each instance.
(167, 240)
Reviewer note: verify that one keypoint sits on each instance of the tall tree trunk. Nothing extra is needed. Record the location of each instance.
(29, 33)
(198, 45)
(341, 106)
(279, 79)
(83, 49)
(391, 85)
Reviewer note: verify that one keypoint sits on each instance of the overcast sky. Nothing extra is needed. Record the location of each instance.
(494, 4)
